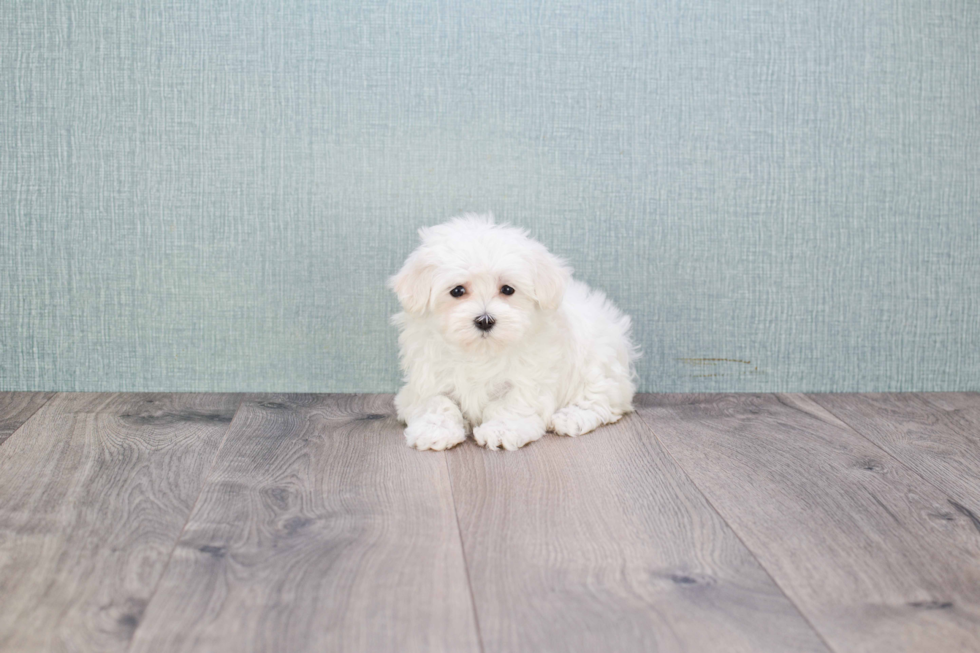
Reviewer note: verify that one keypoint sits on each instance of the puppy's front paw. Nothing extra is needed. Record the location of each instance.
(509, 434)
(574, 421)
(435, 431)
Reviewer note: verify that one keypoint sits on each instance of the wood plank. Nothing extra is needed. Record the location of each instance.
(937, 436)
(871, 553)
(94, 491)
(967, 401)
(17, 407)
(318, 530)
(600, 543)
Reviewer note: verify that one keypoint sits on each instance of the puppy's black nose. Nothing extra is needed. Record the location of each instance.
(484, 322)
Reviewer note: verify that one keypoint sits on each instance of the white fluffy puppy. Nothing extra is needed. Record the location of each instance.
(496, 337)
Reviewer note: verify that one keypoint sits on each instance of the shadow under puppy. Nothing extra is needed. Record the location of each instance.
(496, 338)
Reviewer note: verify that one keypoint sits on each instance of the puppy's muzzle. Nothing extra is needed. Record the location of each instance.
(484, 322)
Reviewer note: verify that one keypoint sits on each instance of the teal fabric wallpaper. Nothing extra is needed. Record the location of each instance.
(202, 195)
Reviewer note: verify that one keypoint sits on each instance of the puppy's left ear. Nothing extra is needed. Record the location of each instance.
(413, 283)
(551, 276)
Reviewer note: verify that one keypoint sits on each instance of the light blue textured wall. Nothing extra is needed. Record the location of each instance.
(209, 196)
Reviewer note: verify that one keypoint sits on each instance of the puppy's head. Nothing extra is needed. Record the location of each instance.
(484, 283)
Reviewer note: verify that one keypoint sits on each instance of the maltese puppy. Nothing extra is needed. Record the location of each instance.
(496, 338)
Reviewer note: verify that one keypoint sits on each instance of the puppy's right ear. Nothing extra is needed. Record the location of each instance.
(413, 283)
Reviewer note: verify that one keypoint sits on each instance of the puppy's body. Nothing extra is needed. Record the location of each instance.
(556, 356)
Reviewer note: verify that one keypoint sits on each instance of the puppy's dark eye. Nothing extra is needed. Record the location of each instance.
(507, 290)
(458, 291)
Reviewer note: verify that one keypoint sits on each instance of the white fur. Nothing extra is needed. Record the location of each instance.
(558, 357)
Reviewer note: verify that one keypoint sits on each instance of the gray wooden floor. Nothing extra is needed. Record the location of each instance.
(158, 523)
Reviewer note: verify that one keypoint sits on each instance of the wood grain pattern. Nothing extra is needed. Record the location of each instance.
(966, 401)
(600, 543)
(17, 407)
(318, 530)
(872, 554)
(94, 491)
(937, 436)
